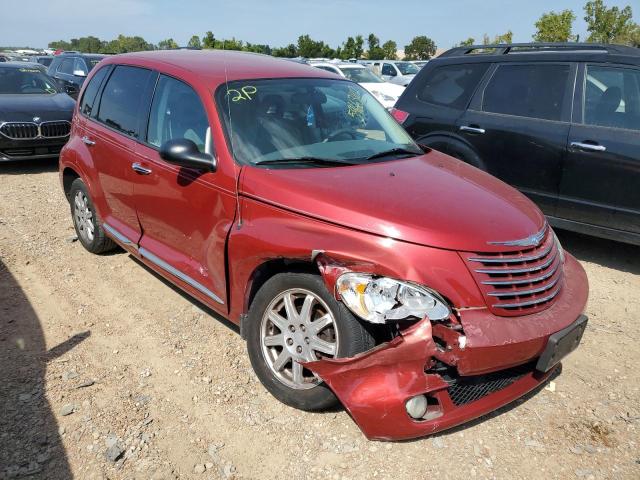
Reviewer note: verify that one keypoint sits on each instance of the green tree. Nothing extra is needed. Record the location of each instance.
(608, 25)
(194, 42)
(309, 48)
(375, 52)
(468, 42)
(555, 27)
(290, 51)
(124, 44)
(420, 48)
(167, 44)
(230, 44)
(208, 41)
(390, 48)
(504, 38)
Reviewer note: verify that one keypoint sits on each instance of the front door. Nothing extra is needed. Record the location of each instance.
(185, 214)
(601, 178)
(519, 124)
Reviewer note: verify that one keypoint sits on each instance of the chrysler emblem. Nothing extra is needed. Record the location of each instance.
(36, 119)
(531, 241)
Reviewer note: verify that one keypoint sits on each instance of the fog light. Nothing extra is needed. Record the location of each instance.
(417, 406)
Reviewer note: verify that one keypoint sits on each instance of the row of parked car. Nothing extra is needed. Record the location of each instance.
(288, 199)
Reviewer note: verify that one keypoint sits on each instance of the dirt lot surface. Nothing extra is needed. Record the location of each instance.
(106, 371)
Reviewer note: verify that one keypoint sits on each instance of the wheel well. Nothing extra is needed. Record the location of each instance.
(272, 267)
(455, 147)
(68, 176)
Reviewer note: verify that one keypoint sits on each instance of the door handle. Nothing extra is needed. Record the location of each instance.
(589, 147)
(88, 141)
(468, 129)
(140, 169)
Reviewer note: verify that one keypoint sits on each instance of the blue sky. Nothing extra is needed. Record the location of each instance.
(279, 22)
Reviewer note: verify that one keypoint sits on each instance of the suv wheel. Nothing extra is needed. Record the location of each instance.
(86, 221)
(293, 319)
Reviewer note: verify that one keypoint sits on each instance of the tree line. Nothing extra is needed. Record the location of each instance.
(604, 25)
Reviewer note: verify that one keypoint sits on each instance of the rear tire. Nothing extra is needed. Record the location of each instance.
(86, 221)
(293, 316)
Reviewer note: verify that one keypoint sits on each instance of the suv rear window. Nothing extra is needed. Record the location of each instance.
(534, 91)
(452, 85)
(122, 99)
(612, 97)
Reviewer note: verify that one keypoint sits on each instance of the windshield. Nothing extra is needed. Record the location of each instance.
(407, 68)
(283, 119)
(360, 75)
(26, 80)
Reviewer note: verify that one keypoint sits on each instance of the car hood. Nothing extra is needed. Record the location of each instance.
(433, 200)
(22, 108)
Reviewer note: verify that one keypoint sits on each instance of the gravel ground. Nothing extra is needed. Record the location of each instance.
(106, 371)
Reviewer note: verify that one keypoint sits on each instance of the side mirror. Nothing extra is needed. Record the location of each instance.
(185, 153)
(79, 73)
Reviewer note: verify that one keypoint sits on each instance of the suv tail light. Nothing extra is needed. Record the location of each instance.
(400, 115)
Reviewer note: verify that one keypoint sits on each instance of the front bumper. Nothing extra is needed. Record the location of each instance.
(13, 150)
(498, 357)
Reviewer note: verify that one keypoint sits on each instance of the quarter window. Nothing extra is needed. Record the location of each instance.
(177, 112)
(121, 100)
(612, 97)
(535, 91)
(90, 92)
(387, 69)
(452, 85)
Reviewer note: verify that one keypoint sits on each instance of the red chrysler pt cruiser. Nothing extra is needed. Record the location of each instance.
(361, 268)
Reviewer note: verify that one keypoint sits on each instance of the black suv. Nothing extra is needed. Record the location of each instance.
(560, 122)
(71, 68)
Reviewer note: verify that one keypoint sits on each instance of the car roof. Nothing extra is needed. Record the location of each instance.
(225, 64)
(20, 65)
(543, 52)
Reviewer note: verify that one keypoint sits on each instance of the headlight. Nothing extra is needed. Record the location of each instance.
(380, 299)
(383, 97)
(559, 246)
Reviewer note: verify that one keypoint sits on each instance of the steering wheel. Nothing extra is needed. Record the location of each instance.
(338, 133)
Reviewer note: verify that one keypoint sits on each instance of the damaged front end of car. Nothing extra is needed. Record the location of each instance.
(444, 370)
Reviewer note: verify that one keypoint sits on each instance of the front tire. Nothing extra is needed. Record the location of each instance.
(86, 221)
(292, 319)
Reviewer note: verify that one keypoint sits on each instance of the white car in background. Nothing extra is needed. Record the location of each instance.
(399, 72)
(386, 93)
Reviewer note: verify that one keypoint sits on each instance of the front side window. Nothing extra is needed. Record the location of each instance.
(612, 97)
(177, 112)
(534, 91)
(452, 85)
(407, 68)
(66, 66)
(290, 120)
(361, 75)
(90, 92)
(79, 66)
(27, 81)
(121, 101)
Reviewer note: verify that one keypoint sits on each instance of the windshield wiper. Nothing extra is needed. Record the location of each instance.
(393, 151)
(308, 160)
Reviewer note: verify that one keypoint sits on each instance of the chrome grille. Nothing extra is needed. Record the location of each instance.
(520, 281)
(31, 130)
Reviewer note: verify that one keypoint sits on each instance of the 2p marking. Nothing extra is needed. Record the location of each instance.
(244, 93)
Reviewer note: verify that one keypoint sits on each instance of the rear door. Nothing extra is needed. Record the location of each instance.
(110, 136)
(519, 124)
(185, 214)
(438, 97)
(601, 178)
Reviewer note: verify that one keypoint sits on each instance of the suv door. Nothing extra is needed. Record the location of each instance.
(64, 73)
(518, 123)
(437, 98)
(110, 133)
(185, 214)
(601, 177)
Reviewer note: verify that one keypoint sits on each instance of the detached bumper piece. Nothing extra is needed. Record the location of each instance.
(375, 386)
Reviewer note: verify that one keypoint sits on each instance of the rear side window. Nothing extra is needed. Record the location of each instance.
(89, 95)
(387, 69)
(452, 85)
(612, 97)
(177, 112)
(534, 91)
(66, 66)
(122, 98)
